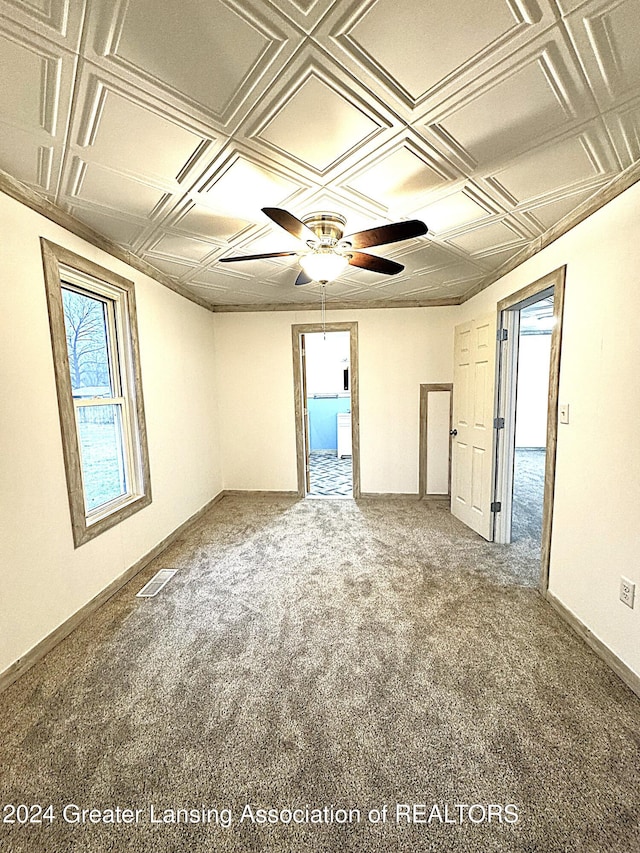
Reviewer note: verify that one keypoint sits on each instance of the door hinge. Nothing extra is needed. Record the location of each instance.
(503, 334)
(496, 506)
(498, 423)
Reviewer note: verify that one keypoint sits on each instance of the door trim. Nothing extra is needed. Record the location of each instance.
(305, 415)
(298, 329)
(555, 280)
(424, 422)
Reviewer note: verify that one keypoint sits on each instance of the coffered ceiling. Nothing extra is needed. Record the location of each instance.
(167, 126)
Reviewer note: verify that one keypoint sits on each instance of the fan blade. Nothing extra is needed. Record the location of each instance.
(256, 257)
(384, 234)
(290, 223)
(303, 278)
(374, 263)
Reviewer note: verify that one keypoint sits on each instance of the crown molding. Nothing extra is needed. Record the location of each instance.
(337, 306)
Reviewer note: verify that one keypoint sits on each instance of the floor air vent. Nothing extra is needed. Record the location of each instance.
(157, 582)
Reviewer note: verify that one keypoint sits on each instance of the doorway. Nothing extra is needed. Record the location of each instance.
(535, 324)
(436, 422)
(325, 366)
(529, 335)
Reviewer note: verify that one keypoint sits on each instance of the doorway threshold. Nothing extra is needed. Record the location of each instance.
(311, 496)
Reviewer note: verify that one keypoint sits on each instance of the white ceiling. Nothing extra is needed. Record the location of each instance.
(167, 126)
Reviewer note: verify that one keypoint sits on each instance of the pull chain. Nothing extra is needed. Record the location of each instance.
(323, 309)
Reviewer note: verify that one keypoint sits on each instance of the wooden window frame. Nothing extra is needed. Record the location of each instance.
(63, 268)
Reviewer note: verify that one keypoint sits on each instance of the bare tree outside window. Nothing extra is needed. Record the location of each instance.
(86, 342)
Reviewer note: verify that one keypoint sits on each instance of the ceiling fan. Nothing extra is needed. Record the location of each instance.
(327, 252)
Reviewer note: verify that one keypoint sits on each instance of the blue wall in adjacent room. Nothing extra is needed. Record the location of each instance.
(323, 429)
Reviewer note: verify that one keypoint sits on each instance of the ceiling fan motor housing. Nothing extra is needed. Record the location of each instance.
(328, 227)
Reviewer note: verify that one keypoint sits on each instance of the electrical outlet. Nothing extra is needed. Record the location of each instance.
(627, 591)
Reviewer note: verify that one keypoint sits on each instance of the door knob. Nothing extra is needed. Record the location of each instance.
(453, 432)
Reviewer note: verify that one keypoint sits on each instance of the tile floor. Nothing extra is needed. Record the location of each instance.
(330, 476)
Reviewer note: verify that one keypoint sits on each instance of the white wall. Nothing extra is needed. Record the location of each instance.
(327, 359)
(43, 579)
(398, 350)
(596, 524)
(534, 354)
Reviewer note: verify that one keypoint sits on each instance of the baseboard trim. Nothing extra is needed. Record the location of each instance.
(35, 654)
(390, 496)
(441, 498)
(256, 493)
(604, 652)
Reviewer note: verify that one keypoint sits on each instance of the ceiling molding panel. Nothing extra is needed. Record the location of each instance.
(112, 190)
(493, 237)
(546, 213)
(358, 213)
(306, 14)
(59, 21)
(568, 6)
(165, 128)
(206, 56)
(605, 35)
(317, 120)
(623, 125)
(401, 175)
(267, 239)
(463, 207)
(401, 289)
(318, 127)
(114, 225)
(276, 286)
(346, 289)
(435, 256)
(201, 221)
(117, 129)
(178, 270)
(569, 164)
(443, 45)
(181, 248)
(213, 292)
(238, 184)
(495, 120)
(36, 79)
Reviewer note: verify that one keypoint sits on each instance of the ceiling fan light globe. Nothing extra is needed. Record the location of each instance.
(323, 266)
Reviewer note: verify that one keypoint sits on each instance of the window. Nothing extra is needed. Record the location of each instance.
(95, 349)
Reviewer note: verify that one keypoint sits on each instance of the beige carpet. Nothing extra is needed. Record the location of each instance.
(331, 659)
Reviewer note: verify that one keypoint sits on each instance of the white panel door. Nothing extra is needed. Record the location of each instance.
(473, 406)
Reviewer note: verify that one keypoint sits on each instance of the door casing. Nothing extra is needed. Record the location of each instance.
(423, 462)
(305, 416)
(298, 329)
(508, 317)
